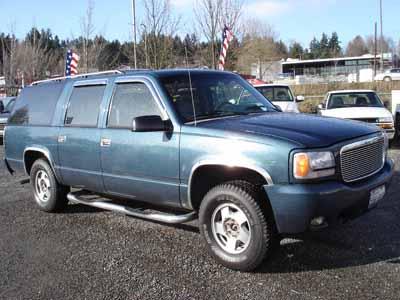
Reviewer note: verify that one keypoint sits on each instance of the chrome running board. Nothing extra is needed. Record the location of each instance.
(139, 213)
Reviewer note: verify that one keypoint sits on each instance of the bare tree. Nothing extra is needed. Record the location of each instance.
(208, 16)
(387, 44)
(231, 14)
(87, 30)
(9, 50)
(212, 16)
(258, 46)
(357, 47)
(160, 25)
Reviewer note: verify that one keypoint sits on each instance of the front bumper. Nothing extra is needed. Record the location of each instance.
(295, 205)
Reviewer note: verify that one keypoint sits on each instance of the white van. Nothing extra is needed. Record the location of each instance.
(280, 95)
(358, 105)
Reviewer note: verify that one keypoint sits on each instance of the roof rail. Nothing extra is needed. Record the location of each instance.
(77, 76)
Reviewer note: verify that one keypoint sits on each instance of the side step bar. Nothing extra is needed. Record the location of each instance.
(158, 217)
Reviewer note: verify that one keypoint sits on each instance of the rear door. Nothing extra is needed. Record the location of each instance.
(79, 138)
(139, 165)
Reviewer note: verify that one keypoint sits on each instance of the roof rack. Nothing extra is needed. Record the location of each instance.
(77, 76)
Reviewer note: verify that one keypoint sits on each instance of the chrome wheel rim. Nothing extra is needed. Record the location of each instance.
(42, 186)
(231, 228)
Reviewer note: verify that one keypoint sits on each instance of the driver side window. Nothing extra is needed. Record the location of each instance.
(131, 100)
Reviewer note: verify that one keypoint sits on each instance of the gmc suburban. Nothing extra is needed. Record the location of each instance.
(195, 144)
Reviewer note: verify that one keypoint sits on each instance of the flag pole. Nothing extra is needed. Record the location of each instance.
(134, 32)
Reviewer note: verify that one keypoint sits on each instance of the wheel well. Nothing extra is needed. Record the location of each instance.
(209, 176)
(30, 157)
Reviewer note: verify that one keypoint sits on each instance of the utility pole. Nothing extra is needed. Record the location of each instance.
(381, 41)
(134, 32)
(375, 47)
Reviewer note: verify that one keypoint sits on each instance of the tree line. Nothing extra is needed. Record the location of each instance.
(41, 53)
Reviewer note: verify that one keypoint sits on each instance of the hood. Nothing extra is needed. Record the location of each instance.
(306, 130)
(357, 112)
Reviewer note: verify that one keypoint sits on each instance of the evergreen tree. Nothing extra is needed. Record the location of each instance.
(282, 49)
(324, 46)
(315, 49)
(296, 50)
(334, 45)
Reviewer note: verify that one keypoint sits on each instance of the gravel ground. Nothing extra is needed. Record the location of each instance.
(86, 253)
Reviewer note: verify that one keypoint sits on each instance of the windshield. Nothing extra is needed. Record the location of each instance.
(215, 95)
(276, 93)
(368, 99)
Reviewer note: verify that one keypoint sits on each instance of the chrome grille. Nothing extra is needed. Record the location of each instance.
(362, 159)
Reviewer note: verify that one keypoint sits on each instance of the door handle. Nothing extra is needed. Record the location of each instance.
(62, 138)
(105, 142)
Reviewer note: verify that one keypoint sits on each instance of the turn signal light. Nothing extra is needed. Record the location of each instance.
(301, 165)
(386, 125)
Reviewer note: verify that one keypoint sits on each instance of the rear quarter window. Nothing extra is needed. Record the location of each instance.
(36, 104)
(84, 106)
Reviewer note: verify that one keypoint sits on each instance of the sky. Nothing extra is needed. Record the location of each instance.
(298, 20)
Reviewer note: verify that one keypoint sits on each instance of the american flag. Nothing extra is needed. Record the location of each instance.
(227, 37)
(71, 65)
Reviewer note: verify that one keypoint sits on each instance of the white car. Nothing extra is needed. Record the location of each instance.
(389, 75)
(280, 95)
(358, 105)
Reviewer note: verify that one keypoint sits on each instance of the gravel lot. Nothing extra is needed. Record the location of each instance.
(86, 253)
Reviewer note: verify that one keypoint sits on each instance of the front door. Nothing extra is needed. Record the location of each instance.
(79, 138)
(140, 165)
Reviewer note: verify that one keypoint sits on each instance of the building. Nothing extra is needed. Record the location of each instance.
(358, 68)
(348, 69)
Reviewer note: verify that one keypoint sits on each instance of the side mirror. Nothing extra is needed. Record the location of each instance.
(386, 104)
(320, 106)
(300, 98)
(148, 124)
(278, 108)
(1, 107)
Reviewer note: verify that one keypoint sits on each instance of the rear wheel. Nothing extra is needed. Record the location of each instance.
(49, 195)
(387, 79)
(238, 230)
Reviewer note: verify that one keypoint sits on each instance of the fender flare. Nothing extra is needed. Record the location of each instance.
(46, 154)
(224, 163)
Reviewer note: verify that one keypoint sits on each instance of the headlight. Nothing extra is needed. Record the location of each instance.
(309, 165)
(385, 120)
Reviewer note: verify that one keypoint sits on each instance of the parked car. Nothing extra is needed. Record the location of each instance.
(358, 105)
(195, 143)
(6, 106)
(280, 95)
(389, 75)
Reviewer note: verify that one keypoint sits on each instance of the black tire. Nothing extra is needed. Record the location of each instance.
(263, 238)
(56, 199)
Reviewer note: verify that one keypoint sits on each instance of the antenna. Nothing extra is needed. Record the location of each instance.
(190, 86)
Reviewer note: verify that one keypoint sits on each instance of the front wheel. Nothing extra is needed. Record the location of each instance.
(238, 229)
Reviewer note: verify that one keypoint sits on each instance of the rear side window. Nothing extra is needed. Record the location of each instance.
(84, 106)
(131, 100)
(36, 104)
